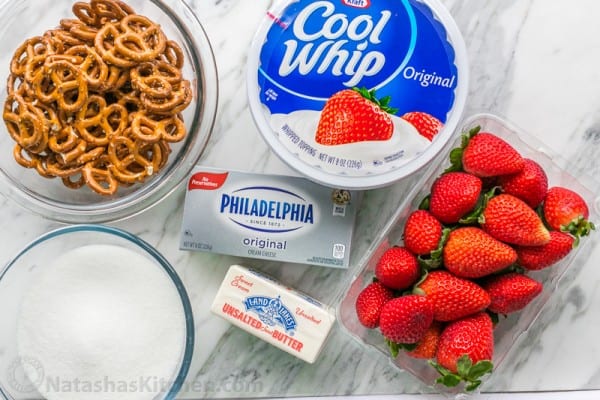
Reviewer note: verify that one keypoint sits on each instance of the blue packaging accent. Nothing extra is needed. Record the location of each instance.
(271, 311)
(317, 48)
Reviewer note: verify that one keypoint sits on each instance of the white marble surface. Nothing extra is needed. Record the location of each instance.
(535, 62)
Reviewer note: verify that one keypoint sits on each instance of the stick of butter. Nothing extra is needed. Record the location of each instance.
(283, 317)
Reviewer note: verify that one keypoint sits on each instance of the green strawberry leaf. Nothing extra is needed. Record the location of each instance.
(424, 205)
(396, 347)
(457, 153)
(450, 380)
(471, 386)
(579, 227)
(484, 201)
(467, 372)
(382, 103)
(428, 262)
(480, 369)
(463, 365)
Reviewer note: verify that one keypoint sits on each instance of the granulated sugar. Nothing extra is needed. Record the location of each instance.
(105, 323)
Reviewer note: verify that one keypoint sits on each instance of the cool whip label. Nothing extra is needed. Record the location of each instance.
(312, 50)
(268, 217)
(285, 318)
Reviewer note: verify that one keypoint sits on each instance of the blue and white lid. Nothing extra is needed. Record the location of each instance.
(310, 59)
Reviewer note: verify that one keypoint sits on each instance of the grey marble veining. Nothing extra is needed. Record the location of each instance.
(534, 62)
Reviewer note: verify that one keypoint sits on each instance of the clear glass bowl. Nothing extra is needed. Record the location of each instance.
(22, 19)
(19, 273)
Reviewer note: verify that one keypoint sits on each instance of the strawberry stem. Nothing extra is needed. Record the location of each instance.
(457, 153)
(396, 347)
(382, 103)
(467, 372)
(579, 227)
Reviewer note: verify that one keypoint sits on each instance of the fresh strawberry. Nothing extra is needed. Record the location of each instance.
(397, 268)
(530, 184)
(465, 351)
(453, 195)
(426, 124)
(511, 292)
(486, 154)
(565, 210)
(534, 258)
(426, 348)
(354, 115)
(511, 220)
(452, 297)
(370, 301)
(422, 232)
(471, 253)
(405, 319)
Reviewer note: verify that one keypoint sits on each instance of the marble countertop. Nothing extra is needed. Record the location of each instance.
(534, 62)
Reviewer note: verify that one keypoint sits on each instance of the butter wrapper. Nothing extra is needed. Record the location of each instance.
(271, 217)
(281, 316)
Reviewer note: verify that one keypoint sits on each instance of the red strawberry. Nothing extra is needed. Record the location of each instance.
(471, 253)
(452, 297)
(511, 220)
(422, 232)
(530, 184)
(427, 347)
(426, 124)
(453, 195)
(535, 258)
(566, 210)
(397, 268)
(511, 292)
(405, 319)
(486, 154)
(354, 115)
(465, 350)
(370, 301)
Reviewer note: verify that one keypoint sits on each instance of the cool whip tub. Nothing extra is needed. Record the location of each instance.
(409, 53)
(272, 217)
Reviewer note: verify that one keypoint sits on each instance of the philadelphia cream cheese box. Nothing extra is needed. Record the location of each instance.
(272, 217)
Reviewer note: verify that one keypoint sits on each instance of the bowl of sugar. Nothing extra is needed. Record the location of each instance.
(93, 312)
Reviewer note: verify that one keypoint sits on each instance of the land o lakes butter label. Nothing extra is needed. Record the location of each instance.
(287, 319)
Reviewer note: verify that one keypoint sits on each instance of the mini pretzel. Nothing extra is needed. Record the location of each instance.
(179, 98)
(156, 78)
(24, 54)
(62, 82)
(173, 54)
(170, 129)
(110, 10)
(25, 124)
(97, 101)
(25, 158)
(94, 124)
(126, 164)
(141, 39)
(98, 177)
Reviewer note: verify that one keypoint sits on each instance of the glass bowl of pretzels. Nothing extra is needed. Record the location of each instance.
(107, 107)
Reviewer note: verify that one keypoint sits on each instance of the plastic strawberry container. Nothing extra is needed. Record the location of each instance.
(508, 331)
